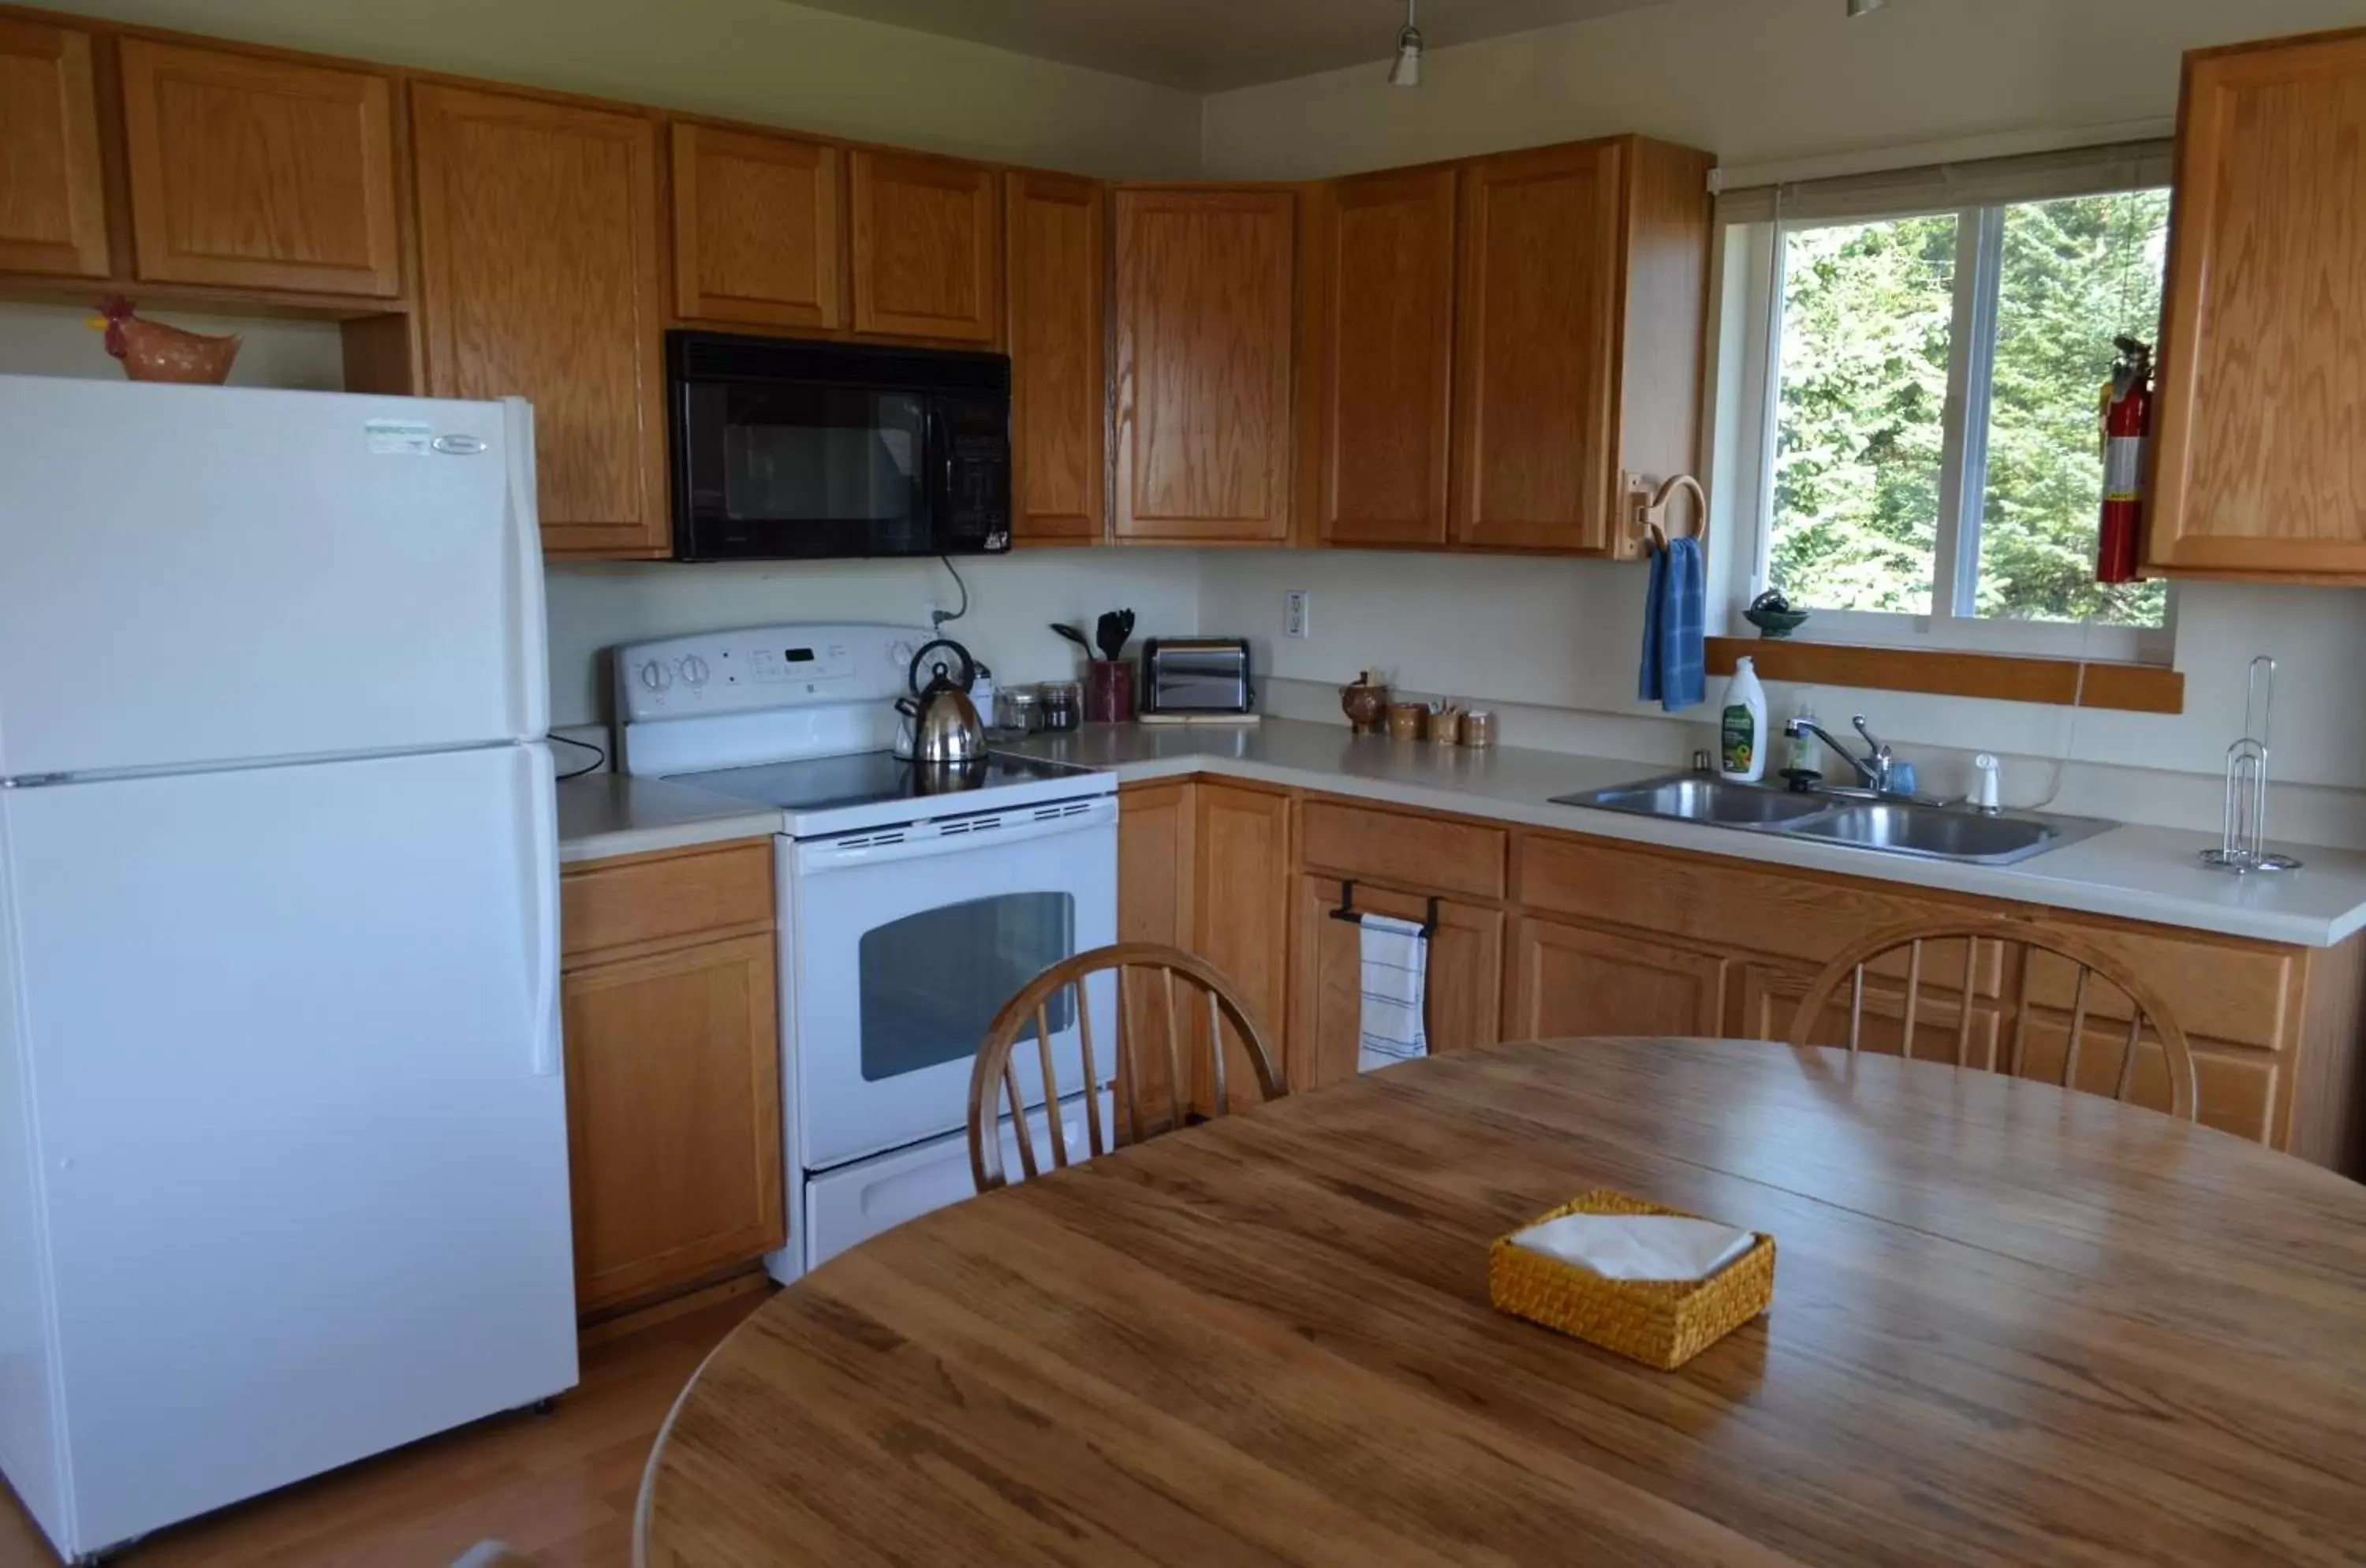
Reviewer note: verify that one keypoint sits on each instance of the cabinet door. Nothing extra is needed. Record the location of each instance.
(1205, 292)
(1388, 347)
(1241, 912)
(1155, 875)
(1466, 969)
(252, 173)
(755, 228)
(1535, 354)
(2262, 419)
(927, 247)
(1059, 403)
(673, 1108)
(1576, 981)
(52, 196)
(538, 261)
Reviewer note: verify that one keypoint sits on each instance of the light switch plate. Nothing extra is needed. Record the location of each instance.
(1295, 603)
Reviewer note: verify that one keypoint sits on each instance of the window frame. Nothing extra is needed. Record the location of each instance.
(1761, 247)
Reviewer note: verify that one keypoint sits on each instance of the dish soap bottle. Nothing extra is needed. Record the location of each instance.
(1741, 725)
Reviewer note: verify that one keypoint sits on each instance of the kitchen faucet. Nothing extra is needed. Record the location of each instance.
(1872, 769)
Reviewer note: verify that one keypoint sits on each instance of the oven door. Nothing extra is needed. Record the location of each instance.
(902, 944)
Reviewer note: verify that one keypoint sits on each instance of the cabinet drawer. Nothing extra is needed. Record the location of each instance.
(1428, 854)
(1728, 904)
(617, 903)
(2216, 989)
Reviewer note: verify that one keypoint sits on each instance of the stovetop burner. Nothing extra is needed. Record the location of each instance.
(867, 778)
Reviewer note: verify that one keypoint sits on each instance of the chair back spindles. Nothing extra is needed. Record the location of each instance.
(994, 1089)
(1964, 1023)
(2031, 938)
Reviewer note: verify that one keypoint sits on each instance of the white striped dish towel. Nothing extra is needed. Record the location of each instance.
(1395, 981)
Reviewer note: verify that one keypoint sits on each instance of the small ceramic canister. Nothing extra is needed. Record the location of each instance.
(1408, 721)
(1479, 727)
(1445, 725)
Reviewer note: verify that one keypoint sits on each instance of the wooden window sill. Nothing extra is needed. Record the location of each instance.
(2130, 688)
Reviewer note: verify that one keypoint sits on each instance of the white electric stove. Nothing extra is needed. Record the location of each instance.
(908, 915)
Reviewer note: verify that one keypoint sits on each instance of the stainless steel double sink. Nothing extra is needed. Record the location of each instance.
(1896, 825)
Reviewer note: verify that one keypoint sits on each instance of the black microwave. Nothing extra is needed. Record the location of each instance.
(789, 450)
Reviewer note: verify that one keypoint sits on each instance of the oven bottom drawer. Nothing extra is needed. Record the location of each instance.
(857, 1202)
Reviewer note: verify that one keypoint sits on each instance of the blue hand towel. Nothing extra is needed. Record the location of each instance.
(1674, 674)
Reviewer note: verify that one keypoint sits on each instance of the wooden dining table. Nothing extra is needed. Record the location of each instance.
(2011, 1325)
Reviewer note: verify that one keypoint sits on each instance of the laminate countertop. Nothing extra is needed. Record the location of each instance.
(602, 815)
(2133, 872)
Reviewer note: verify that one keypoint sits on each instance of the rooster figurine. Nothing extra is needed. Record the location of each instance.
(151, 351)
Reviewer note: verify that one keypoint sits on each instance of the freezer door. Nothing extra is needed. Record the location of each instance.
(192, 575)
(293, 1042)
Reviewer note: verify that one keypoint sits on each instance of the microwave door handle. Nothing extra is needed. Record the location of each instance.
(933, 432)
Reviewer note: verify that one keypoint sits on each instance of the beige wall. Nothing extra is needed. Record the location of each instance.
(1790, 84)
(759, 60)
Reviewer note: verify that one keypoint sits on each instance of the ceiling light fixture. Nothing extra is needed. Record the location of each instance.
(1405, 72)
(1859, 7)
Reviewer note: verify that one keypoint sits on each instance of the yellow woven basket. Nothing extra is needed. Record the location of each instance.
(1661, 1323)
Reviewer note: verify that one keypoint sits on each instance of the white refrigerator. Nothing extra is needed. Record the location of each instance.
(283, 1140)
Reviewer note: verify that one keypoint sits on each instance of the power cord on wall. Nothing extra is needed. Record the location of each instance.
(937, 619)
(598, 756)
(2070, 742)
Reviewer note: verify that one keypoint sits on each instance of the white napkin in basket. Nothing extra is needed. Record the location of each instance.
(1637, 1246)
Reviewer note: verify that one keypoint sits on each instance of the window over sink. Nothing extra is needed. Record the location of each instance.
(1922, 354)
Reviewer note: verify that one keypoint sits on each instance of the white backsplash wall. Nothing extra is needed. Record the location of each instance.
(1554, 644)
(1013, 601)
(56, 340)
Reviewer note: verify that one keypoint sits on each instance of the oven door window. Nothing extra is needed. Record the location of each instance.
(824, 454)
(932, 981)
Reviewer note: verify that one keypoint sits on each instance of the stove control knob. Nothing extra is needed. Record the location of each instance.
(655, 676)
(693, 672)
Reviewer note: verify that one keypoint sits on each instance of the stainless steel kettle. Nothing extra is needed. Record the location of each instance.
(940, 724)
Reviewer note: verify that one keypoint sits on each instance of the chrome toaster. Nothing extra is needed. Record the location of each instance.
(1195, 674)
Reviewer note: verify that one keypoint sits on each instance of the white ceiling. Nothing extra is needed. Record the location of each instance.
(1206, 46)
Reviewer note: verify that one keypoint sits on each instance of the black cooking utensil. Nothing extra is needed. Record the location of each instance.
(1073, 635)
(1111, 632)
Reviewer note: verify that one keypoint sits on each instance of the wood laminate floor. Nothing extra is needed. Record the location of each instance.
(560, 1486)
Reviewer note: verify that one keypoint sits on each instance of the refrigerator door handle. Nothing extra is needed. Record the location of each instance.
(530, 657)
(541, 829)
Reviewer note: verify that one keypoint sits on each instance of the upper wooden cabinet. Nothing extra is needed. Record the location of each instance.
(52, 194)
(1578, 352)
(2260, 466)
(1385, 256)
(1059, 385)
(756, 229)
(927, 247)
(1205, 300)
(256, 173)
(538, 231)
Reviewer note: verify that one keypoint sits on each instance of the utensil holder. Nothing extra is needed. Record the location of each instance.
(1109, 691)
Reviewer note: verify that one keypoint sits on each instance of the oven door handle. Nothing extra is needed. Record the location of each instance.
(886, 846)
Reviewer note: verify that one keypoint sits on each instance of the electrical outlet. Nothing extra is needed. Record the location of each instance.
(1295, 603)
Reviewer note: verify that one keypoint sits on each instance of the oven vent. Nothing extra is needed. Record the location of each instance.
(969, 825)
(893, 836)
(1054, 813)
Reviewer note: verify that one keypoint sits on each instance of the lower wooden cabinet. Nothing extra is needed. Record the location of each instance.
(1241, 909)
(1156, 872)
(673, 1072)
(1573, 980)
(1466, 969)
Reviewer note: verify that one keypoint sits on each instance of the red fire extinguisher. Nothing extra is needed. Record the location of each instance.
(2127, 425)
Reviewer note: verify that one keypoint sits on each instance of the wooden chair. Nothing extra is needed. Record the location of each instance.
(994, 1079)
(2032, 938)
